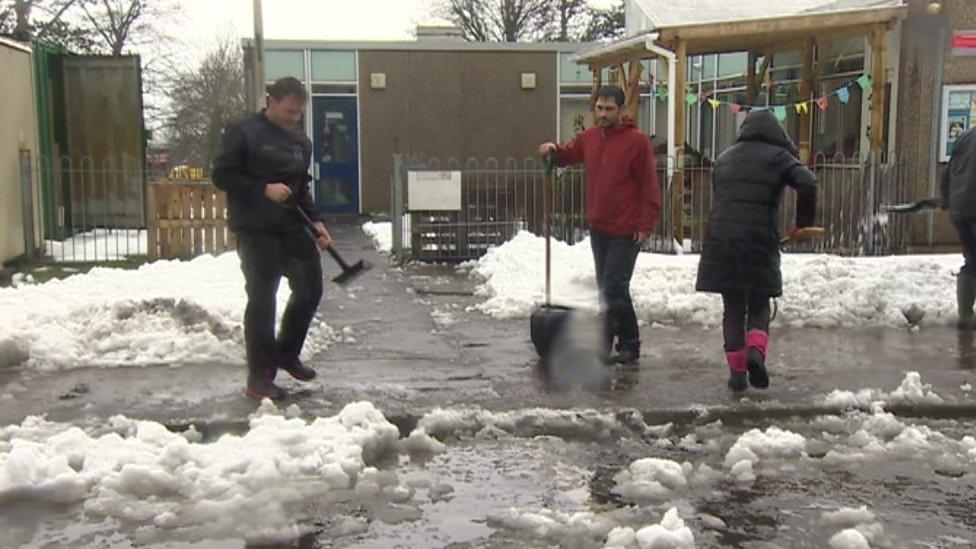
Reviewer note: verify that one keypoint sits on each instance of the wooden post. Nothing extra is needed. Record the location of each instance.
(681, 110)
(879, 44)
(806, 92)
(152, 224)
(597, 71)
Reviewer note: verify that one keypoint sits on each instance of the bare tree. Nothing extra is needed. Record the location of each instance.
(118, 24)
(528, 20)
(202, 101)
(498, 20)
(25, 20)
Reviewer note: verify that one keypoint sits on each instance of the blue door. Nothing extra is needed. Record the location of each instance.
(335, 154)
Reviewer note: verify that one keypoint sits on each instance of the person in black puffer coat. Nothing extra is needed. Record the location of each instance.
(740, 258)
(959, 198)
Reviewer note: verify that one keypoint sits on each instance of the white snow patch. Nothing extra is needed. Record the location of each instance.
(552, 525)
(848, 516)
(819, 290)
(671, 533)
(849, 539)
(163, 312)
(911, 391)
(99, 245)
(444, 423)
(651, 479)
(382, 235)
(139, 472)
(966, 387)
(754, 445)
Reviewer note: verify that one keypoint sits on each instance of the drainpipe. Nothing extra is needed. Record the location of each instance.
(672, 61)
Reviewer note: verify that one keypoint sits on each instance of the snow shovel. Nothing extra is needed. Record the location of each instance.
(348, 271)
(548, 321)
(925, 204)
(803, 233)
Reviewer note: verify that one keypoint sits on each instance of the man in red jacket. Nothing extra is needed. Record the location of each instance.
(623, 202)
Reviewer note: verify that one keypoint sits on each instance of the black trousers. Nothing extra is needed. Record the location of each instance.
(265, 258)
(743, 313)
(614, 258)
(967, 235)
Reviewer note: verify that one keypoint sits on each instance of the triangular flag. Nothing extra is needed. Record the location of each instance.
(691, 98)
(822, 103)
(780, 113)
(735, 108)
(661, 93)
(714, 103)
(865, 82)
(844, 95)
(802, 108)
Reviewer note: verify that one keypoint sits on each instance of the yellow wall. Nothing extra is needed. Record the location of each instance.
(17, 131)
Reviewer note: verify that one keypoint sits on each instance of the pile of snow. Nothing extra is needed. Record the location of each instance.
(381, 233)
(99, 245)
(671, 533)
(819, 290)
(756, 445)
(553, 525)
(650, 480)
(911, 391)
(144, 475)
(163, 312)
(445, 423)
(859, 528)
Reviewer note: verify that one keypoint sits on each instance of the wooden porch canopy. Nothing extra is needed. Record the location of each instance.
(764, 36)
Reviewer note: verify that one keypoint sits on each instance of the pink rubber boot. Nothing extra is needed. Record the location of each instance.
(757, 342)
(737, 369)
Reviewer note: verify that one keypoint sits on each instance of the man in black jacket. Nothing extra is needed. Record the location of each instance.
(959, 197)
(263, 167)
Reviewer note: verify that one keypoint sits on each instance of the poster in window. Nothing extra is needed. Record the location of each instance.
(958, 115)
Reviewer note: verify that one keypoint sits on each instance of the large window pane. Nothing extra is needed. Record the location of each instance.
(279, 64)
(334, 66)
(837, 131)
(575, 116)
(732, 64)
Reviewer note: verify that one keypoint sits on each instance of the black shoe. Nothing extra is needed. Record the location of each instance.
(300, 371)
(737, 381)
(262, 389)
(755, 363)
(628, 353)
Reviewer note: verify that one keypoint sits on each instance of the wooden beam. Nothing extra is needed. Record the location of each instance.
(680, 115)
(752, 83)
(597, 82)
(632, 91)
(806, 92)
(879, 44)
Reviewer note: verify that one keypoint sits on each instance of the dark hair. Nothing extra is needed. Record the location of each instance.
(612, 92)
(288, 86)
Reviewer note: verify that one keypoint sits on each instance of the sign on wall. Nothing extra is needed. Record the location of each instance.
(964, 43)
(958, 115)
(434, 190)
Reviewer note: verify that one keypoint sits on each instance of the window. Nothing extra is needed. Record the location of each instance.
(334, 66)
(572, 73)
(837, 133)
(279, 63)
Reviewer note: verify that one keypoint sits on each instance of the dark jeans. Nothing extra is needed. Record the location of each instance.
(743, 313)
(614, 258)
(967, 235)
(265, 258)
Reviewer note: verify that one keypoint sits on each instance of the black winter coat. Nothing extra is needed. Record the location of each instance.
(959, 179)
(253, 153)
(741, 248)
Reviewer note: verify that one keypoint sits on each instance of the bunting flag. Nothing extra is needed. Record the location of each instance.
(780, 113)
(865, 83)
(822, 103)
(691, 98)
(735, 108)
(661, 94)
(802, 108)
(714, 103)
(844, 94)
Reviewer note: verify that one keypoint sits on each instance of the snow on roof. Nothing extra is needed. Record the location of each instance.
(667, 13)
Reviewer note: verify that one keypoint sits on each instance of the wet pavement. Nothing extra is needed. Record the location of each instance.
(413, 342)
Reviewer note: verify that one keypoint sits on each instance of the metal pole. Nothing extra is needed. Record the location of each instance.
(396, 207)
(27, 203)
(259, 76)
